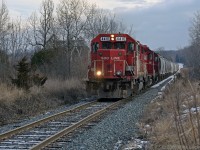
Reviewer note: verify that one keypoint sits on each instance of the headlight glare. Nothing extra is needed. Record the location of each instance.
(98, 73)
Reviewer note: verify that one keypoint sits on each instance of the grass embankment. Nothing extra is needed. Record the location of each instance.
(173, 121)
(17, 104)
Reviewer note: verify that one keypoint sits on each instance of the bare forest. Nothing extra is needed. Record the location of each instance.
(54, 39)
(44, 58)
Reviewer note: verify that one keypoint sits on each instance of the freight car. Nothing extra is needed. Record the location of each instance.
(120, 66)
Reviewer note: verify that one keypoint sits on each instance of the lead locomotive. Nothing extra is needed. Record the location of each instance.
(121, 65)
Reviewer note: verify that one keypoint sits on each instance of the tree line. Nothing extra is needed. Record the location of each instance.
(190, 54)
(55, 39)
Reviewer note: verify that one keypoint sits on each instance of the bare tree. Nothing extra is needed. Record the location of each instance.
(194, 49)
(4, 25)
(4, 29)
(102, 21)
(71, 19)
(195, 29)
(99, 21)
(42, 27)
(18, 39)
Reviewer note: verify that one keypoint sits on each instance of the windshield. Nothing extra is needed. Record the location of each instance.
(116, 45)
(106, 45)
(119, 45)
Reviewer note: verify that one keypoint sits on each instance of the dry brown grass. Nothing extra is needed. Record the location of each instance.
(9, 93)
(69, 90)
(55, 85)
(170, 124)
(16, 103)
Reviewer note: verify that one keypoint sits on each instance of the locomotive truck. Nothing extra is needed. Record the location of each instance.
(120, 66)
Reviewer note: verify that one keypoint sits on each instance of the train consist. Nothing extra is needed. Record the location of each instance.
(120, 65)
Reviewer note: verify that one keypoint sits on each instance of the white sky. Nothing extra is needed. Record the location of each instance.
(25, 7)
(111, 4)
(156, 23)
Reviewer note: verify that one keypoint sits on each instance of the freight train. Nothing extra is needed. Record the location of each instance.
(120, 66)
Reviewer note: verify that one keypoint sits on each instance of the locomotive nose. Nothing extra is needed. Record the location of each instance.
(113, 63)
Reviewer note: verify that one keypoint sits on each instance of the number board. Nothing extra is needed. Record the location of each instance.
(105, 38)
(120, 38)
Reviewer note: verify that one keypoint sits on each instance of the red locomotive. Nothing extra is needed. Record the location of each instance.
(121, 65)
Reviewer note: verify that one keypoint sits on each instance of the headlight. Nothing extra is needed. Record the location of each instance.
(98, 73)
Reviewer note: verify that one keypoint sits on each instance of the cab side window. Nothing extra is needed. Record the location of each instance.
(137, 47)
(95, 47)
(130, 47)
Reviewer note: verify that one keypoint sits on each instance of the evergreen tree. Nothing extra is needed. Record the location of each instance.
(23, 77)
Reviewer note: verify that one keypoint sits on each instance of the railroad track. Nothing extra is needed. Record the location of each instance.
(42, 133)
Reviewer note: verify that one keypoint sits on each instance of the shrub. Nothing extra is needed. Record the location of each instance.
(25, 79)
(42, 57)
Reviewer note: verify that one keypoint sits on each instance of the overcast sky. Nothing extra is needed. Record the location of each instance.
(156, 23)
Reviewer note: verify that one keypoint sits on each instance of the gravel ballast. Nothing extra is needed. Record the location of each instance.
(117, 128)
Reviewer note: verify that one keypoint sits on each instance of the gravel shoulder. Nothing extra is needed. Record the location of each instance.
(115, 129)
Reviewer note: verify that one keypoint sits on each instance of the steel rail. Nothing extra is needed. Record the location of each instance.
(36, 123)
(73, 127)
